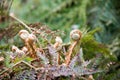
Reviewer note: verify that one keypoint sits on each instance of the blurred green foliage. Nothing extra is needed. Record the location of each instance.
(83, 14)
(63, 14)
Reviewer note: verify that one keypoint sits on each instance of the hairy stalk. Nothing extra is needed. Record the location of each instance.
(68, 55)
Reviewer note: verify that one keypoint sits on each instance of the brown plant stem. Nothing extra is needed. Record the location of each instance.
(69, 53)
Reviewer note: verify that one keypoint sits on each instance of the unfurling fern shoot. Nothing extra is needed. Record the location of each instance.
(75, 36)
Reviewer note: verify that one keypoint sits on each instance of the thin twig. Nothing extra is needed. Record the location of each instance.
(20, 62)
(13, 16)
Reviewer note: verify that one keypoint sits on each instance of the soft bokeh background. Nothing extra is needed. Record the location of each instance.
(82, 14)
(65, 14)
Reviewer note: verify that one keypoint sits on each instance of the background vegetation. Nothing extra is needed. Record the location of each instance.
(103, 16)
